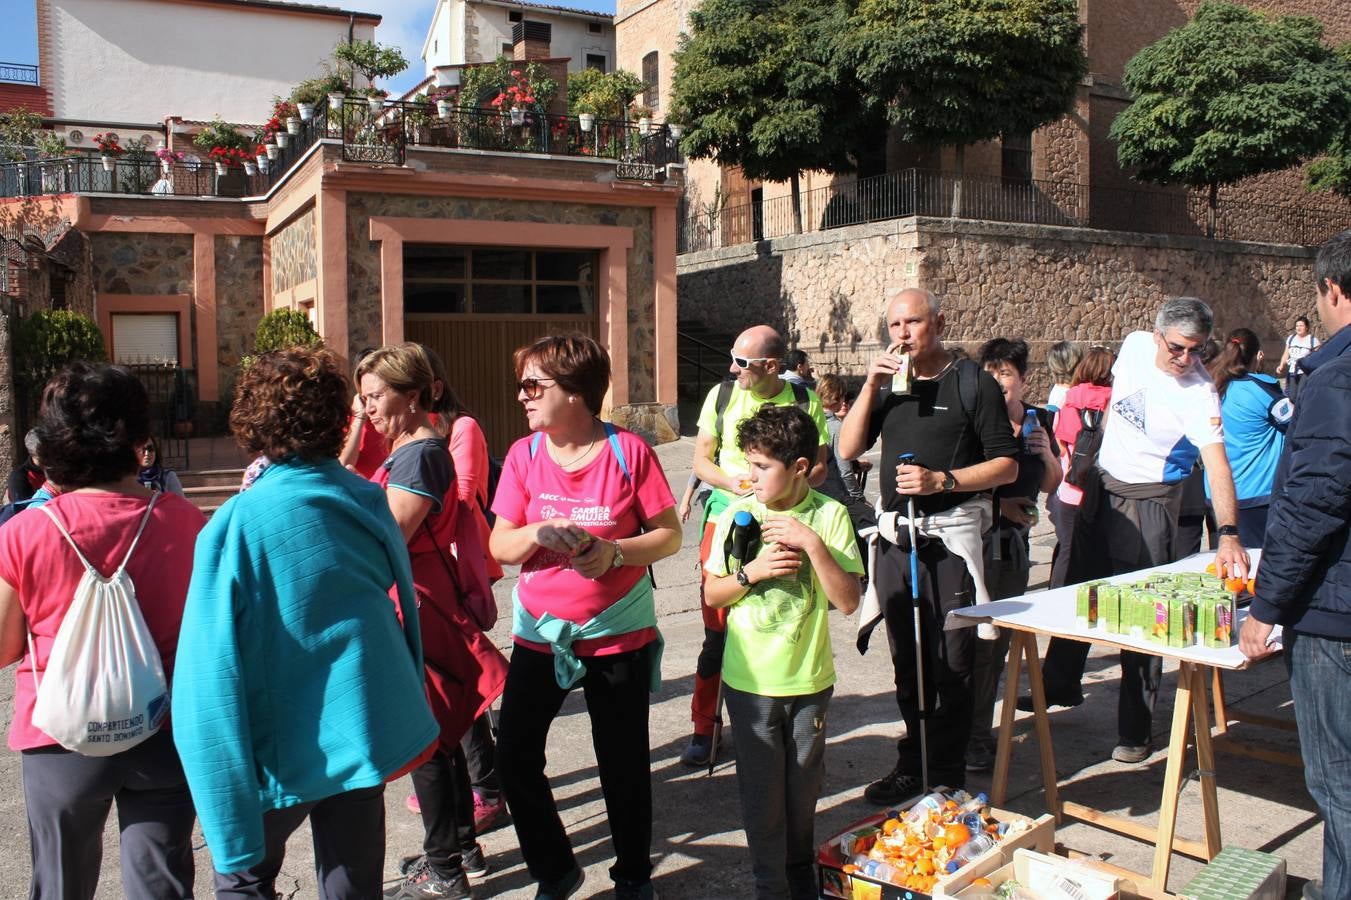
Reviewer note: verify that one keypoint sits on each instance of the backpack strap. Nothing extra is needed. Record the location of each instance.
(534, 443)
(801, 397)
(968, 387)
(145, 518)
(720, 407)
(613, 435)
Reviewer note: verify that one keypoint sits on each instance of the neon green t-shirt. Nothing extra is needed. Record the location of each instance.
(778, 634)
(742, 404)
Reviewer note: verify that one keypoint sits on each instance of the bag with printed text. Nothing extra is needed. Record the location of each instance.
(103, 690)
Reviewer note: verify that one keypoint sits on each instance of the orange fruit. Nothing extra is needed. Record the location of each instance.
(1210, 568)
(982, 882)
(1235, 585)
(1252, 586)
(957, 834)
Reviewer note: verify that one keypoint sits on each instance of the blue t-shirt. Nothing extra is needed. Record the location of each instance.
(1251, 442)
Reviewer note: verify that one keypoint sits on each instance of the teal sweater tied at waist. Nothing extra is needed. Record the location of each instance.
(632, 612)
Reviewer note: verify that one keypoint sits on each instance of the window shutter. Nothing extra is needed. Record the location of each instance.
(145, 337)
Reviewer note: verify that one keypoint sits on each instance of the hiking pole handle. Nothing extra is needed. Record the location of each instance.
(909, 459)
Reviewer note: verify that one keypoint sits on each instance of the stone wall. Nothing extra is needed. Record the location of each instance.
(363, 262)
(9, 440)
(295, 257)
(826, 291)
(239, 306)
(134, 263)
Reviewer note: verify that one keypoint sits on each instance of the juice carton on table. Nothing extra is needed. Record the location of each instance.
(1086, 605)
(1109, 608)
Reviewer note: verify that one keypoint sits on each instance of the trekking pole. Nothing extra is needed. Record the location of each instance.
(919, 643)
(717, 727)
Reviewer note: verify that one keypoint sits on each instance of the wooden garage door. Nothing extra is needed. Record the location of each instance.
(477, 353)
(475, 305)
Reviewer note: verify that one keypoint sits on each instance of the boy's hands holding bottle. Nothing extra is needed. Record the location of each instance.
(786, 539)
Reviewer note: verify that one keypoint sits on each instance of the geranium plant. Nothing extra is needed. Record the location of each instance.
(504, 83)
(221, 135)
(229, 156)
(169, 156)
(517, 94)
(108, 145)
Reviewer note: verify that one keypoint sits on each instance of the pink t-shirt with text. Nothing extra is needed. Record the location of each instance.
(37, 562)
(599, 498)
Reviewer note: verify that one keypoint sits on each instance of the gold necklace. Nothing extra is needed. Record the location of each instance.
(580, 456)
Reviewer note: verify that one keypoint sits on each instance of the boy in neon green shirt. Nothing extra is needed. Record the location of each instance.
(778, 671)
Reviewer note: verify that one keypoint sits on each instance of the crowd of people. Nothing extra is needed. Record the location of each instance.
(325, 631)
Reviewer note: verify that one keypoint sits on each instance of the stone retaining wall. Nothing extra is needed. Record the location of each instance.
(826, 291)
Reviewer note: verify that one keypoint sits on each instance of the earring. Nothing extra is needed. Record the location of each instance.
(572, 398)
(412, 409)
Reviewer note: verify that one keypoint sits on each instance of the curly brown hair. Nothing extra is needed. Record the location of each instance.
(292, 403)
(92, 419)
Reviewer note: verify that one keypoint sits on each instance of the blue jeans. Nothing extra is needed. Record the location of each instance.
(1320, 673)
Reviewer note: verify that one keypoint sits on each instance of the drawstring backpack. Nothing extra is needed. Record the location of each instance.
(104, 689)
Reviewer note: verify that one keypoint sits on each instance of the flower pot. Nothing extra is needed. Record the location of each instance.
(271, 151)
(377, 104)
(676, 130)
(250, 168)
(264, 165)
(443, 108)
(306, 111)
(221, 168)
(282, 138)
(108, 163)
(517, 116)
(587, 121)
(335, 100)
(292, 125)
(644, 125)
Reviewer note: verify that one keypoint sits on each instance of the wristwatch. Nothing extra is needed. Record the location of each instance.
(949, 482)
(742, 578)
(1227, 531)
(619, 556)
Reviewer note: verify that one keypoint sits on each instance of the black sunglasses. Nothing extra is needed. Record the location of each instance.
(534, 388)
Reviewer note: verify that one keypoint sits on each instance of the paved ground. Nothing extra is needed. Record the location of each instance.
(699, 849)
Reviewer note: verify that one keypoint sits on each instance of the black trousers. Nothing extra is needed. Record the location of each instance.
(945, 585)
(616, 692)
(480, 756)
(447, 803)
(68, 798)
(349, 848)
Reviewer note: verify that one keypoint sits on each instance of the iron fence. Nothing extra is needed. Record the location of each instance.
(18, 73)
(917, 192)
(369, 135)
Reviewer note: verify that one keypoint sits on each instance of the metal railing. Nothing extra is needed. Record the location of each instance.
(384, 136)
(705, 375)
(917, 192)
(18, 73)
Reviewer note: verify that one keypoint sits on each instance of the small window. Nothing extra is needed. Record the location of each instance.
(1016, 163)
(145, 338)
(596, 61)
(593, 27)
(652, 92)
(513, 17)
(507, 49)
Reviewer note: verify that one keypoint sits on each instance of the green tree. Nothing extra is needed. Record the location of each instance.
(371, 59)
(280, 329)
(1333, 171)
(956, 72)
(48, 341)
(18, 131)
(757, 86)
(1231, 94)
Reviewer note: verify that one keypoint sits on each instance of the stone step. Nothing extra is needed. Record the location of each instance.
(211, 477)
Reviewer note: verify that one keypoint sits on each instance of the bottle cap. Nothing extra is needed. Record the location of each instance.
(742, 518)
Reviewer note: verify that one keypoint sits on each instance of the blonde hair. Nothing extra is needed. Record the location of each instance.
(404, 367)
(830, 388)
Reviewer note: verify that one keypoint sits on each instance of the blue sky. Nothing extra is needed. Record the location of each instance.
(404, 24)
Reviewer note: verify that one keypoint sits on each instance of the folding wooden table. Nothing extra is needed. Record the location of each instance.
(1052, 613)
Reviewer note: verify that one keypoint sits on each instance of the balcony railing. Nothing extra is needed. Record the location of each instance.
(916, 192)
(384, 136)
(18, 73)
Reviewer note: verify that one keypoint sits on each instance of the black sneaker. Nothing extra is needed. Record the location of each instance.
(980, 756)
(632, 890)
(893, 788)
(1025, 701)
(474, 863)
(422, 882)
(698, 752)
(563, 888)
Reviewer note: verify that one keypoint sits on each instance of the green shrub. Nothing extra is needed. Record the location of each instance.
(279, 329)
(50, 339)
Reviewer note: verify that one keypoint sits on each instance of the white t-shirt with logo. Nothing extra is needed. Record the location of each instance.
(1298, 348)
(1156, 423)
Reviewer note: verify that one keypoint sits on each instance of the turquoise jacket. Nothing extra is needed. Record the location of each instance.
(294, 679)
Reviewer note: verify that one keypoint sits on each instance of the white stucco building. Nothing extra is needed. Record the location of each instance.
(472, 31)
(129, 64)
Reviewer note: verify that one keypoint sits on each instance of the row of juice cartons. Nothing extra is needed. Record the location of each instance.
(1174, 609)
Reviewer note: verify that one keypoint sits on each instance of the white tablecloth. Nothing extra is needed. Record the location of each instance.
(1053, 612)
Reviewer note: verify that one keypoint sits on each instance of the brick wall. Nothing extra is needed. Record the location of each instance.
(826, 291)
(33, 98)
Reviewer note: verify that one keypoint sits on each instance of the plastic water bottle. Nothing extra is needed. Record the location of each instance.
(873, 868)
(927, 806)
(974, 822)
(744, 538)
(974, 805)
(970, 850)
(1030, 424)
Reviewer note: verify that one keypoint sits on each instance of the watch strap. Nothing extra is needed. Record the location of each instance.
(742, 578)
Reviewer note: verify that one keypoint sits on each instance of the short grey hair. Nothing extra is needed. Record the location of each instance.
(1063, 358)
(935, 306)
(30, 442)
(1190, 316)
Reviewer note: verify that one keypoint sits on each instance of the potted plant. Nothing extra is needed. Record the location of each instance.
(109, 149)
(444, 98)
(260, 154)
(168, 158)
(51, 146)
(586, 114)
(644, 116)
(335, 100)
(373, 61)
(375, 98)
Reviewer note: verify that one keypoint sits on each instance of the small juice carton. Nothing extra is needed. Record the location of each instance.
(1086, 605)
(1158, 628)
(1109, 608)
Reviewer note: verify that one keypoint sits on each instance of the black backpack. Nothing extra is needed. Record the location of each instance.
(1086, 447)
(494, 475)
(801, 399)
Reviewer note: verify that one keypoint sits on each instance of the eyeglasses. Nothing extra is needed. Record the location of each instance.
(534, 388)
(745, 362)
(1180, 350)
